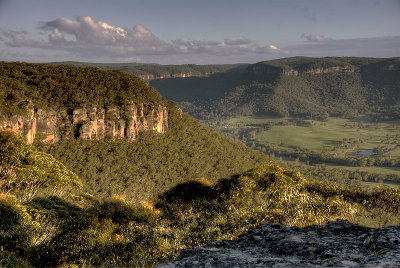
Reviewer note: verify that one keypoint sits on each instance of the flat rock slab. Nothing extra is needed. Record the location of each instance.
(335, 244)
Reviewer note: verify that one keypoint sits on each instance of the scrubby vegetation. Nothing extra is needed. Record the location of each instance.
(24, 171)
(82, 230)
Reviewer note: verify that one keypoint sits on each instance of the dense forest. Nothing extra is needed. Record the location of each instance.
(153, 70)
(299, 86)
(118, 202)
(154, 163)
(66, 87)
(138, 169)
(53, 228)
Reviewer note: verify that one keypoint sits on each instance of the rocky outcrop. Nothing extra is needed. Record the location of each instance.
(334, 69)
(172, 75)
(336, 244)
(266, 69)
(88, 123)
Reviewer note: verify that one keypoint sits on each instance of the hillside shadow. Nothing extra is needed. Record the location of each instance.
(199, 88)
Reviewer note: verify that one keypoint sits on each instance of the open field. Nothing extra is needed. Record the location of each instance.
(342, 137)
(337, 142)
(377, 170)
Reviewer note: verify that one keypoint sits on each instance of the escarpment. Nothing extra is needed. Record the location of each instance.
(47, 103)
(90, 123)
(272, 69)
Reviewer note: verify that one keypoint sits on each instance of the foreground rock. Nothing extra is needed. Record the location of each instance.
(336, 244)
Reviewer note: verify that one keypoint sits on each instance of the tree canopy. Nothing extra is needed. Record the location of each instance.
(25, 170)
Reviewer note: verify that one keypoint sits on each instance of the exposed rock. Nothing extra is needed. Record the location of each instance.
(88, 123)
(336, 244)
(174, 75)
(265, 70)
(335, 69)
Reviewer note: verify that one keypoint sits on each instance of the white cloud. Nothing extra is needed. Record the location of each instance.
(315, 37)
(273, 47)
(86, 39)
(89, 38)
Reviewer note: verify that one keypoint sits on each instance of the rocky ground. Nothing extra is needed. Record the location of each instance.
(336, 244)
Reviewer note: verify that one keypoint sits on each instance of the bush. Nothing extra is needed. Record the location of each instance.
(15, 224)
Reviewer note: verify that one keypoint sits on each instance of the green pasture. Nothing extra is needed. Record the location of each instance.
(248, 120)
(372, 170)
(370, 185)
(330, 135)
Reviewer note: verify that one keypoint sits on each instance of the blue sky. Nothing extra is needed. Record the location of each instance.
(196, 31)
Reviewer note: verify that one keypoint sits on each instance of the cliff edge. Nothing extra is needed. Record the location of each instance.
(335, 244)
(88, 123)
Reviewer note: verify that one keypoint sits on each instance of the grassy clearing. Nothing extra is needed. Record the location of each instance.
(364, 150)
(377, 170)
(323, 136)
(338, 136)
(246, 120)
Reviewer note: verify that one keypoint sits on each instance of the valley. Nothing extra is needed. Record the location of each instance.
(342, 113)
(99, 169)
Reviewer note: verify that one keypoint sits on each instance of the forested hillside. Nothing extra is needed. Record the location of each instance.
(154, 163)
(66, 87)
(54, 227)
(299, 86)
(137, 166)
(150, 71)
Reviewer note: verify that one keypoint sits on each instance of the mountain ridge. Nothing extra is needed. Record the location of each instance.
(105, 126)
(299, 86)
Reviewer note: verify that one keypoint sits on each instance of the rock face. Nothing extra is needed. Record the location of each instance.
(88, 123)
(336, 244)
(172, 75)
(265, 70)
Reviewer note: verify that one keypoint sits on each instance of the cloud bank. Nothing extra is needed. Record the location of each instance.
(86, 39)
(89, 38)
(315, 38)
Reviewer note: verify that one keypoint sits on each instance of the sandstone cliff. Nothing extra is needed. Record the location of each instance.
(266, 69)
(88, 123)
(172, 75)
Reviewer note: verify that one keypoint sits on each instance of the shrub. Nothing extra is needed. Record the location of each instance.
(24, 170)
(15, 225)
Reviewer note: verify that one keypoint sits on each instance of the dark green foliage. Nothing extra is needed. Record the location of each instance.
(187, 191)
(139, 169)
(10, 216)
(55, 208)
(157, 70)
(13, 150)
(121, 212)
(24, 170)
(154, 163)
(14, 226)
(99, 235)
(119, 233)
(66, 87)
(299, 86)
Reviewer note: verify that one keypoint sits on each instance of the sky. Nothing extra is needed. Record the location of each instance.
(196, 31)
